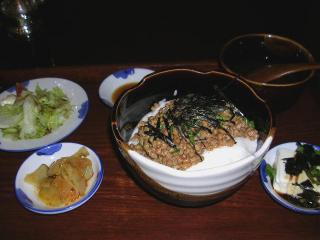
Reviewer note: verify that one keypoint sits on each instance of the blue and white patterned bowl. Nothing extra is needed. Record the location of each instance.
(119, 79)
(78, 99)
(27, 194)
(270, 158)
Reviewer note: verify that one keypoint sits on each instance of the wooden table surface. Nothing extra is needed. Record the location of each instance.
(121, 209)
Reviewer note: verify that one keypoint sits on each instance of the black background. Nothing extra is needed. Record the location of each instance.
(105, 32)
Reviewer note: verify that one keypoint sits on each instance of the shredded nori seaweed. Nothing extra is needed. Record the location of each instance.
(188, 113)
(307, 159)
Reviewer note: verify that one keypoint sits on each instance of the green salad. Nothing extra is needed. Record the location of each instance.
(29, 115)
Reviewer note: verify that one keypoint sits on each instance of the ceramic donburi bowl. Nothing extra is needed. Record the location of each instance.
(189, 188)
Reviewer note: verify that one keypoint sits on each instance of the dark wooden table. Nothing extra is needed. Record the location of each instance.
(122, 210)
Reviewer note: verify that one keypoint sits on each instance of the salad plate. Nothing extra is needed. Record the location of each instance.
(116, 83)
(27, 194)
(79, 108)
(270, 160)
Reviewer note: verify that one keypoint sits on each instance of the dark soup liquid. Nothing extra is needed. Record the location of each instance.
(118, 92)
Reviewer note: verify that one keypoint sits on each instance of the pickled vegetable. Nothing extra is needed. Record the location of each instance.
(64, 181)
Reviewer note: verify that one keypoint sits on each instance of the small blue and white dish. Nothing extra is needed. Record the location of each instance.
(270, 159)
(78, 99)
(28, 195)
(119, 79)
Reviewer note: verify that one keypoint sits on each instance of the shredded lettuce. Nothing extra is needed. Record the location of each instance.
(10, 115)
(34, 114)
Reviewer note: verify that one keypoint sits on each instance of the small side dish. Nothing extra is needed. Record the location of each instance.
(291, 174)
(296, 175)
(58, 178)
(40, 112)
(113, 86)
(33, 114)
(64, 181)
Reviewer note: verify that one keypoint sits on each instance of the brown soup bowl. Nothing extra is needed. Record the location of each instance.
(244, 54)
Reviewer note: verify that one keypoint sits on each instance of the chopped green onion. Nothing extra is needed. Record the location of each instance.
(271, 171)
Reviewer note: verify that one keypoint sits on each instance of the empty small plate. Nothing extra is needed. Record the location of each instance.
(115, 84)
(27, 194)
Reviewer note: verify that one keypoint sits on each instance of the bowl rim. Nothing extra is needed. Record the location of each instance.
(266, 35)
(256, 154)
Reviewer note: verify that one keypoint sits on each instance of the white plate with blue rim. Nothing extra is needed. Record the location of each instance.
(114, 85)
(79, 102)
(270, 159)
(27, 194)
